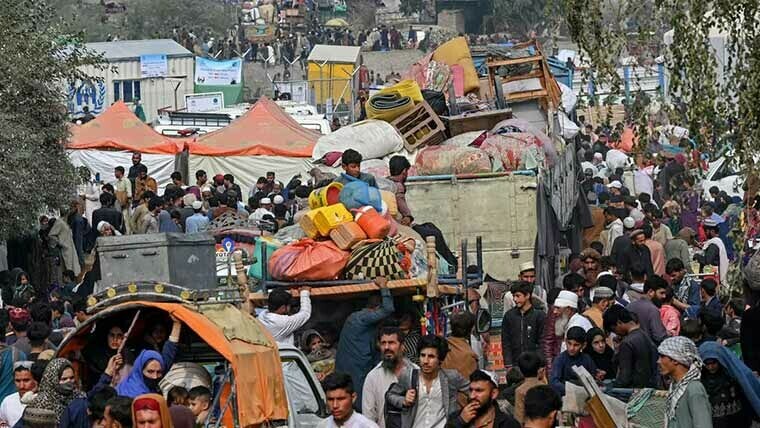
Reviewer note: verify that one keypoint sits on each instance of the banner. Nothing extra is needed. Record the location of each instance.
(154, 66)
(204, 103)
(212, 72)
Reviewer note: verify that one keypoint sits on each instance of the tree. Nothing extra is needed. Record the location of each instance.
(38, 60)
(520, 17)
(150, 18)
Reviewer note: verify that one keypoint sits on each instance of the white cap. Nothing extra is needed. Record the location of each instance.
(278, 199)
(566, 299)
(265, 201)
(615, 185)
(526, 266)
(197, 205)
(629, 223)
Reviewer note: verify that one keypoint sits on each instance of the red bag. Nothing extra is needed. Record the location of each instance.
(308, 260)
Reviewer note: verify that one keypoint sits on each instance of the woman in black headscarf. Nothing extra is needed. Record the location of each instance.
(599, 351)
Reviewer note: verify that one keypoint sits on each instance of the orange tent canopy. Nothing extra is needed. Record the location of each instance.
(264, 130)
(118, 128)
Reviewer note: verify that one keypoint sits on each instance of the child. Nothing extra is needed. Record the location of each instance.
(601, 353)
(200, 403)
(351, 163)
(177, 396)
(532, 367)
(562, 366)
(671, 318)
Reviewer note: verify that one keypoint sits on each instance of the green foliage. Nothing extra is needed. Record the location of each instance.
(410, 7)
(520, 17)
(151, 18)
(37, 63)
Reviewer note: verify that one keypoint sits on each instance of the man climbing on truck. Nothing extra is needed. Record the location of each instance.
(399, 169)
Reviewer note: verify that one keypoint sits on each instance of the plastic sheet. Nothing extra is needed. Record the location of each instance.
(308, 260)
(374, 139)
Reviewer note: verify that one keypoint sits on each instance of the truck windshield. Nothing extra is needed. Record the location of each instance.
(301, 392)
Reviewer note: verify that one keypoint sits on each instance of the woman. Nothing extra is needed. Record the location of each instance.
(150, 366)
(79, 228)
(150, 411)
(320, 356)
(100, 350)
(600, 352)
(733, 390)
(57, 388)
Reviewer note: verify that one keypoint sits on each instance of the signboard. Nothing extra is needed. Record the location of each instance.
(154, 66)
(204, 103)
(212, 72)
(223, 258)
(86, 94)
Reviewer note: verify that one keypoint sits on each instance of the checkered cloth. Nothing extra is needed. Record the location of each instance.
(378, 259)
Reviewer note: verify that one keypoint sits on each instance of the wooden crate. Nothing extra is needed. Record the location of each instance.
(420, 127)
(481, 121)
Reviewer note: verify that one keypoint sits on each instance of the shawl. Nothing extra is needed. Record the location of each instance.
(48, 395)
(736, 368)
(166, 420)
(134, 384)
(683, 351)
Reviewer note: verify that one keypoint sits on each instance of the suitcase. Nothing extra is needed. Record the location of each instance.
(346, 235)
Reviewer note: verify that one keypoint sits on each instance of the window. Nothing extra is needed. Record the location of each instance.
(127, 90)
(301, 394)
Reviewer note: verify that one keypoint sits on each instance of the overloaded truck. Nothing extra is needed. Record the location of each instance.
(500, 208)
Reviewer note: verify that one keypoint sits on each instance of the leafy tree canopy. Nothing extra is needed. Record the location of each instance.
(38, 60)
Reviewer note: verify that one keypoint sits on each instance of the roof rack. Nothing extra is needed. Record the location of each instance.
(155, 291)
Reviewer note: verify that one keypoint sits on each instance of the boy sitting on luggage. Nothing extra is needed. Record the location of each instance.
(351, 163)
(562, 367)
(200, 403)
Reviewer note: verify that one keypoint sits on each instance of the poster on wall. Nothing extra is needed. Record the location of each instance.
(154, 66)
(212, 72)
(90, 94)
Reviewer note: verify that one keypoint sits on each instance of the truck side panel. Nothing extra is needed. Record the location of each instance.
(502, 210)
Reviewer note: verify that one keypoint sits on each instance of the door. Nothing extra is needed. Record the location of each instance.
(305, 398)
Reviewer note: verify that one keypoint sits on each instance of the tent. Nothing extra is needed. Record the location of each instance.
(109, 140)
(264, 139)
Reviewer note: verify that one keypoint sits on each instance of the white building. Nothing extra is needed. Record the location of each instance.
(159, 72)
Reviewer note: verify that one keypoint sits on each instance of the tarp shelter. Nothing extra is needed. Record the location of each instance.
(110, 139)
(264, 139)
(331, 73)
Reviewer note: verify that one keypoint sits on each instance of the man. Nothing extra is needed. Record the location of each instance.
(482, 409)
(172, 202)
(140, 211)
(687, 402)
(276, 317)
(177, 183)
(265, 208)
(533, 369)
(660, 232)
(200, 181)
(636, 354)
(522, 326)
(656, 250)
(11, 407)
(19, 322)
(542, 404)
(399, 169)
(678, 248)
(715, 251)
(107, 213)
(566, 311)
(613, 229)
(709, 301)
(135, 168)
(118, 413)
(601, 299)
(393, 366)
(86, 115)
(434, 399)
(198, 222)
(340, 394)
(646, 308)
(123, 193)
(186, 211)
(351, 163)
(638, 252)
(149, 223)
(143, 182)
(229, 184)
(632, 205)
(615, 187)
(355, 346)
(461, 357)
(590, 259)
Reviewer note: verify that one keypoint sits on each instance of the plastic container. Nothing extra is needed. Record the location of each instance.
(390, 202)
(271, 245)
(346, 235)
(372, 223)
(330, 217)
(325, 196)
(309, 224)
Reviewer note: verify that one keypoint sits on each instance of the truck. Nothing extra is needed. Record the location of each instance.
(498, 207)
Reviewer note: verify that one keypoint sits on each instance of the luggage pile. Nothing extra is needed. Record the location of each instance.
(349, 234)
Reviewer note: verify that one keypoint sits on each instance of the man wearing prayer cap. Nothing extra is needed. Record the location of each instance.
(715, 253)
(566, 310)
